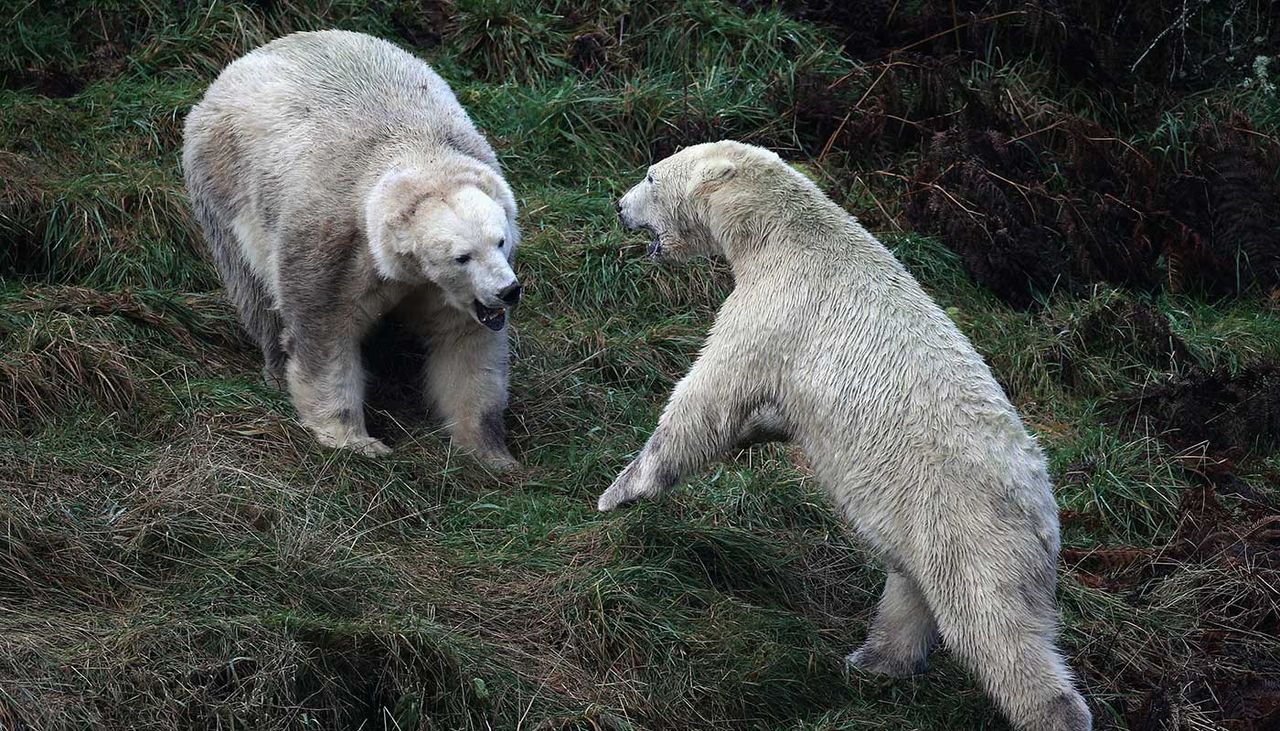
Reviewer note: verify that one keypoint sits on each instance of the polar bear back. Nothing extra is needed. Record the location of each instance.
(336, 85)
(302, 127)
(879, 386)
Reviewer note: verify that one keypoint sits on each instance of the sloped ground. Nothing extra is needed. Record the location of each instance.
(1092, 198)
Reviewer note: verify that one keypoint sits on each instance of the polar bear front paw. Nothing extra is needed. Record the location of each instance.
(274, 378)
(627, 488)
(369, 446)
(499, 461)
(366, 445)
(874, 660)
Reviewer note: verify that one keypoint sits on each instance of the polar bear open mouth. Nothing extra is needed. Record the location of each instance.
(655, 246)
(491, 317)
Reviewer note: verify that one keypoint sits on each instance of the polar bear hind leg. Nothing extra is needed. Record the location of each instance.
(902, 633)
(1007, 640)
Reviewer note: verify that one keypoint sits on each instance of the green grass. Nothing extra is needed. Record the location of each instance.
(178, 553)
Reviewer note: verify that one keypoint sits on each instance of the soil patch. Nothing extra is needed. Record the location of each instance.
(589, 52)
(1123, 329)
(421, 23)
(1232, 555)
(50, 82)
(1230, 414)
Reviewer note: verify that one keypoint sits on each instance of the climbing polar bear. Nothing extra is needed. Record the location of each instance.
(828, 342)
(336, 178)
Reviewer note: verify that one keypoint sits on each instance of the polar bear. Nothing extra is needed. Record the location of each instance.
(828, 342)
(336, 178)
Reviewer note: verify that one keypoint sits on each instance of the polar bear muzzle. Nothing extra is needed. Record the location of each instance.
(495, 318)
(654, 250)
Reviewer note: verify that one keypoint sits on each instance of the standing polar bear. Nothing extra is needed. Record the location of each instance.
(827, 341)
(336, 178)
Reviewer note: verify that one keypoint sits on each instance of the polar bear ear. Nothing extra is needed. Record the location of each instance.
(397, 196)
(711, 174)
(498, 189)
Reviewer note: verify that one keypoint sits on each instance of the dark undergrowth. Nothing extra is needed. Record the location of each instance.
(1090, 190)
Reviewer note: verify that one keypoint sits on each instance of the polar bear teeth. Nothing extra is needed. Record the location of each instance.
(491, 317)
(655, 247)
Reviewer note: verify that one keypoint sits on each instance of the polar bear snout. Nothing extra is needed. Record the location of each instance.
(631, 208)
(624, 216)
(499, 296)
(632, 221)
(510, 294)
(493, 312)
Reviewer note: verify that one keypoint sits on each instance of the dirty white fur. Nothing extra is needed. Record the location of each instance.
(336, 178)
(827, 341)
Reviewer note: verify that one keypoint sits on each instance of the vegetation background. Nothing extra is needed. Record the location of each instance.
(1089, 186)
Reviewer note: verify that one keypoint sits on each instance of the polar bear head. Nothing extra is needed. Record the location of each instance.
(455, 230)
(684, 196)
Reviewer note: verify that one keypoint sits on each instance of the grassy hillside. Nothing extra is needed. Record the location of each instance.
(1092, 196)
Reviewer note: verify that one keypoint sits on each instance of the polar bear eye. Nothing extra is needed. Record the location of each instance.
(502, 243)
(649, 178)
(462, 259)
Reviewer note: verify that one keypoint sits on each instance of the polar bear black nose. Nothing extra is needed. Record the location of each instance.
(511, 293)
